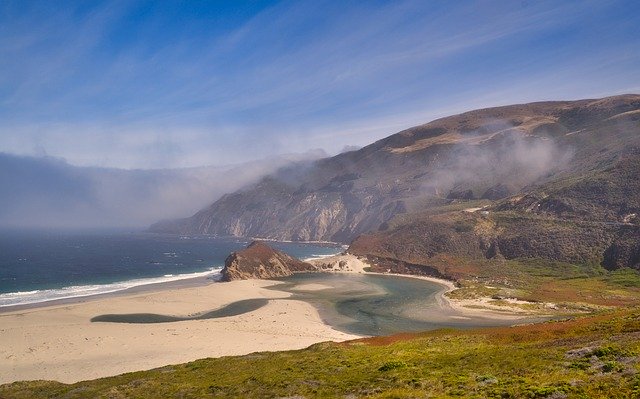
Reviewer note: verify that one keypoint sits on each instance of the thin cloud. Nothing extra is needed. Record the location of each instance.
(289, 77)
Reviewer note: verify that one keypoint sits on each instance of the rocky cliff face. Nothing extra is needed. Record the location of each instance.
(559, 181)
(492, 153)
(261, 261)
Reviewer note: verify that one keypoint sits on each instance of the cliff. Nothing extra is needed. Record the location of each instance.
(557, 180)
(261, 261)
(489, 154)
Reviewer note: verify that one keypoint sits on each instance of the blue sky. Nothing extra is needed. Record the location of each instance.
(163, 84)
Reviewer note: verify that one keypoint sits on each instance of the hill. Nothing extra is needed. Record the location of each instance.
(594, 357)
(563, 172)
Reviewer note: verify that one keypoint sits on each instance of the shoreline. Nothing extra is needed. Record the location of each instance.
(354, 265)
(61, 343)
(478, 307)
(505, 313)
(21, 295)
(144, 288)
(56, 340)
(211, 277)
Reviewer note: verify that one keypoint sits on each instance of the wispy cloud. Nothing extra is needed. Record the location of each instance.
(135, 84)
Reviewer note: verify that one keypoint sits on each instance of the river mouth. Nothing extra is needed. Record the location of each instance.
(361, 304)
(374, 305)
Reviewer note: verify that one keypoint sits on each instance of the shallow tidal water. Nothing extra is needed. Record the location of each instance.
(380, 304)
(362, 304)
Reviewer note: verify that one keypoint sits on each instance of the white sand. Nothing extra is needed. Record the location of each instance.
(476, 307)
(346, 263)
(60, 343)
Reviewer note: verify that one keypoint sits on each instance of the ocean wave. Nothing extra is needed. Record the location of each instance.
(322, 256)
(77, 291)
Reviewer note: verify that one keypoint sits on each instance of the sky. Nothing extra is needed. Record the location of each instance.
(172, 84)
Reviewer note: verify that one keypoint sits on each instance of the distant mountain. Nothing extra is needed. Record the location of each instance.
(576, 161)
(48, 192)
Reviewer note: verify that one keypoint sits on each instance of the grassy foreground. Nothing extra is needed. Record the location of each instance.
(590, 357)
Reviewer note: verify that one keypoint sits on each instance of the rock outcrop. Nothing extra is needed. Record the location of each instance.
(261, 261)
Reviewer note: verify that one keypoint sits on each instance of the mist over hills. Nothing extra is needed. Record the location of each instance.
(569, 160)
(47, 192)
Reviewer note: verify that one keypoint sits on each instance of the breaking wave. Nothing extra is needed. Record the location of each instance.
(77, 291)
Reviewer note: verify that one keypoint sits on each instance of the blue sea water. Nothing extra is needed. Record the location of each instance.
(42, 266)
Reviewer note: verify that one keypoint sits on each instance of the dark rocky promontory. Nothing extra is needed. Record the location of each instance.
(261, 261)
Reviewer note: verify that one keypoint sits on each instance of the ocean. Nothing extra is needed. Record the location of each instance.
(40, 266)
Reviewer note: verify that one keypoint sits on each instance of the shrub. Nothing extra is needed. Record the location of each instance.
(392, 365)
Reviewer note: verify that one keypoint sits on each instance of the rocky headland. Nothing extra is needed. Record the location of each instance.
(261, 261)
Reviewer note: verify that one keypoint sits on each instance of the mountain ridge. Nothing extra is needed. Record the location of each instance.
(492, 153)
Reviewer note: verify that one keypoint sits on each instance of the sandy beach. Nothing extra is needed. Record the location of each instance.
(59, 342)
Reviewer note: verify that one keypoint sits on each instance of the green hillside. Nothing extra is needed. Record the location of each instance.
(590, 357)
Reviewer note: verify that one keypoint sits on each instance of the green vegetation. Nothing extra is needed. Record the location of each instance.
(624, 277)
(570, 287)
(462, 226)
(510, 252)
(589, 357)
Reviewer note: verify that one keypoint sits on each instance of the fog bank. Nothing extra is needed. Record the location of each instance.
(48, 192)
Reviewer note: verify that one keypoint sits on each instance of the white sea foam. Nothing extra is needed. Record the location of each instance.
(316, 257)
(76, 291)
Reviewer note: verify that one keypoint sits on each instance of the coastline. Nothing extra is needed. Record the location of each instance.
(479, 307)
(129, 260)
(57, 340)
(139, 289)
(468, 307)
